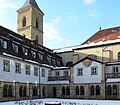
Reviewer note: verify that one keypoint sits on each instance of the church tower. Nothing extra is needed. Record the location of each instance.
(30, 21)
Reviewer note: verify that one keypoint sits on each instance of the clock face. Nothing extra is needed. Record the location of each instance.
(87, 62)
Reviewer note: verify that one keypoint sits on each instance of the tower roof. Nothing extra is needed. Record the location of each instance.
(31, 2)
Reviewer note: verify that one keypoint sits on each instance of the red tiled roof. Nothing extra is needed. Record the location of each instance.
(104, 35)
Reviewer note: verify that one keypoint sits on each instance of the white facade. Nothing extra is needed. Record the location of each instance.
(87, 77)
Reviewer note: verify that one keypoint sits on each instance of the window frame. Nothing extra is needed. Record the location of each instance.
(6, 68)
(94, 70)
(27, 69)
(17, 69)
(80, 71)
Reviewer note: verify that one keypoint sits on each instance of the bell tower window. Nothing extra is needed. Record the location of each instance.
(24, 21)
(37, 23)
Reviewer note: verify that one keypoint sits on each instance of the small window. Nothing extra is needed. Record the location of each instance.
(25, 50)
(118, 56)
(53, 60)
(6, 65)
(79, 71)
(49, 59)
(17, 67)
(65, 73)
(115, 69)
(49, 73)
(24, 21)
(35, 71)
(15, 47)
(4, 44)
(40, 56)
(58, 63)
(43, 72)
(94, 70)
(33, 54)
(115, 92)
(27, 68)
(57, 73)
(37, 24)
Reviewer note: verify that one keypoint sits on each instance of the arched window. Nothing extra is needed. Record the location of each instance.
(115, 90)
(118, 56)
(81, 90)
(35, 92)
(77, 90)
(63, 90)
(5, 91)
(68, 90)
(92, 90)
(10, 91)
(109, 90)
(43, 91)
(37, 23)
(97, 90)
(21, 91)
(24, 21)
(25, 91)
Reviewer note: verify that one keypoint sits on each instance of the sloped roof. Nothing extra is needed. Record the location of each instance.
(104, 35)
(89, 59)
(31, 2)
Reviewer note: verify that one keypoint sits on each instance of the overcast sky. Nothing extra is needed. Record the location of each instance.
(66, 22)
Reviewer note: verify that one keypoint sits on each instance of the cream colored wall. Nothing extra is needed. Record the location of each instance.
(108, 53)
(66, 57)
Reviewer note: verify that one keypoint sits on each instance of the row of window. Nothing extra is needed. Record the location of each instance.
(4, 44)
(9, 91)
(57, 73)
(6, 68)
(94, 71)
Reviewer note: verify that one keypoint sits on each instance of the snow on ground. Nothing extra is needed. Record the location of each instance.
(63, 102)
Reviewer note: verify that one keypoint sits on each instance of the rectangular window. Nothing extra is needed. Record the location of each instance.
(65, 73)
(49, 73)
(25, 50)
(40, 56)
(27, 68)
(15, 47)
(58, 63)
(43, 72)
(35, 71)
(57, 73)
(115, 69)
(4, 44)
(79, 71)
(94, 70)
(17, 67)
(33, 54)
(6, 65)
(49, 59)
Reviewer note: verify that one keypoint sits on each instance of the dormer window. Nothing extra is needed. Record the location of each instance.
(33, 54)
(4, 44)
(24, 21)
(25, 50)
(58, 63)
(49, 59)
(53, 61)
(15, 47)
(40, 56)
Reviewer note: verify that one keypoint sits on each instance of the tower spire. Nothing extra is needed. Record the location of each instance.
(32, 3)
